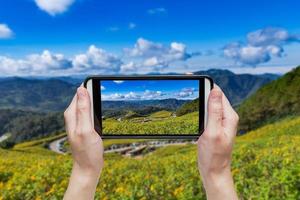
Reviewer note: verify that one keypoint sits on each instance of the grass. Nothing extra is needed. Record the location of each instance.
(40, 142)
(161, 114)
(186, 124)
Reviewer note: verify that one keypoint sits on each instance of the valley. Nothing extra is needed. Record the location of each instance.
(167, 116)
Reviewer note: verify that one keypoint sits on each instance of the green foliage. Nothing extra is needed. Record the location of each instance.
(40, 142)
(37, 95)
(161, 114)
(186, 124)
(7, 144)
(29, 125)
(265, 166)
(188, 107)
(275, 100)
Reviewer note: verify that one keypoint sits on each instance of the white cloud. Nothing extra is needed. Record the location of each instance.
(270, 36)
(48, 61)
(148, 94)
(54, 7)
(119, 96)
(115, 96)
(34, 64)
(145, 56)
(5, 32)
(186, 92)
(102, 87)
(118, 82)
(96, 59)
(129, 67)
(247, 55)
(156, 11)
(131, 25)
(132, 96)
(157, 56)
(262, 45)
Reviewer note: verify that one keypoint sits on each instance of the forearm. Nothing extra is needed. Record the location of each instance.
(219, 186)
(82, 185)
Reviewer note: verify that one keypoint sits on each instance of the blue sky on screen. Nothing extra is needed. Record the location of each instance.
(149, 89)
(64, 37)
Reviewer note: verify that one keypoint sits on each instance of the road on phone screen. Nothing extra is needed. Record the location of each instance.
(57, 145)
(129, 149)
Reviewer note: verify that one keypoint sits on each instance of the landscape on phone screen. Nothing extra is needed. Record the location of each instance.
(139, 107)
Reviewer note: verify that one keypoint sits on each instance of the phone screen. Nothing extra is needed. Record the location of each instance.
(150, 107)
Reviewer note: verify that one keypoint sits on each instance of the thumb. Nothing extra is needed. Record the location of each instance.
(83, 111)
(215, 111)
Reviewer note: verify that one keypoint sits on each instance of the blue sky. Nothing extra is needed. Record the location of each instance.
(61, 37)
(150, 89)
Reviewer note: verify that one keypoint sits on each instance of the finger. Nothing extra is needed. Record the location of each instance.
(215, 111)
(70, 116)
(230, 118)
(227, 109)
(83, 111)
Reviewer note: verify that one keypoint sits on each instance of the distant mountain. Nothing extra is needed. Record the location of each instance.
(276, 99)
(32, 107)
(238, 87)
(117, 108)
(35, 94)
(54, 94)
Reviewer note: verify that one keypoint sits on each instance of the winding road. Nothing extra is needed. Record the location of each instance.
(3, 137)
(56, 145)
(133, 149)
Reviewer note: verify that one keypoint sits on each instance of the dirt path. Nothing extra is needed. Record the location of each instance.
(131, 150)
(56, 145)
(3, 137)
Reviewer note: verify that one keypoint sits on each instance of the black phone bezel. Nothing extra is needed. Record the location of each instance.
(97, 107)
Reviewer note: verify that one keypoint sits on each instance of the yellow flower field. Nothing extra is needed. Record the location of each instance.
(266, 165)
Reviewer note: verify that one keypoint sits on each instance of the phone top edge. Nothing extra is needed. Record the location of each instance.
(133, 77)
(86, 80)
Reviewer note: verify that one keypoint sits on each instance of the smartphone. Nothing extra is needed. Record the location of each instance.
(156, 106)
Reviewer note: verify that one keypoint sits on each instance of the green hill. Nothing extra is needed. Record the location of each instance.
(188, 107)
(27, 125)
(34, 94)
(161, 114)
(275, 100)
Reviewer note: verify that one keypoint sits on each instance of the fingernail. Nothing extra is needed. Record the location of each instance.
(216, 95)
(80, 93)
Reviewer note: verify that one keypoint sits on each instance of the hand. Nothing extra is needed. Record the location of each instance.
(215, 146)
(86, 147)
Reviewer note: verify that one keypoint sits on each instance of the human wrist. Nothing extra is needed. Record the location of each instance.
(82, 184)
(87, 174)
(219, 185)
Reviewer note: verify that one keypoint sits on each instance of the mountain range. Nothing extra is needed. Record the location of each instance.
(32, 107)
(238, 87)
(54, 94)
(141, 107)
